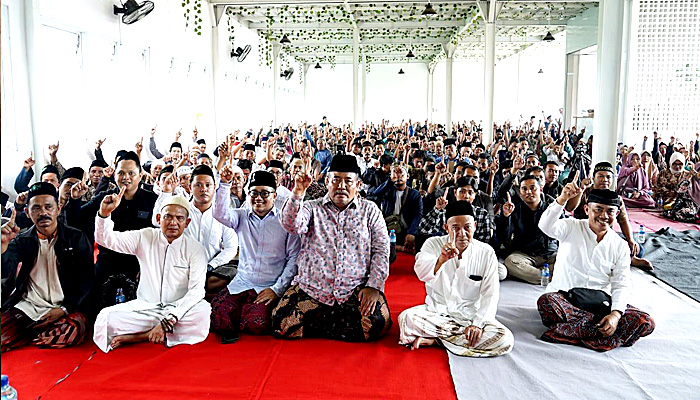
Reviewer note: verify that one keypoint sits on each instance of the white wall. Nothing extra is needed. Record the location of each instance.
(582, 31)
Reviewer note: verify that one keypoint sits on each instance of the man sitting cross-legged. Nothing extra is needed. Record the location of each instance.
(343, 262)
(594, 258)
(461, 281)
(169, 306)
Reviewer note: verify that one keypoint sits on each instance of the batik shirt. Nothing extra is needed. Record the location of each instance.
(340, 250)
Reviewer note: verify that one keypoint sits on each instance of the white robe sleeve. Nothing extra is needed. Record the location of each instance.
(229, 240)
(195, 287)
(426, 259)
(122, 242)
(620, 279)
(552, 225)
(488, 293)
(222, 206)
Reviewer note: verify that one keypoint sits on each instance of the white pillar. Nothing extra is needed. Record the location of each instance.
(355, 83)
(214, 77)
(306, 79)
(571, 90)
(622, 122)
(610, 33)
(275, 77)
(431, 87)
(449, 51)
(364, 89)
(489, 64)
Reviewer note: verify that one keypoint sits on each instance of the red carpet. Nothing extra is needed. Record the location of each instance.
(653, 221)
(253, 368)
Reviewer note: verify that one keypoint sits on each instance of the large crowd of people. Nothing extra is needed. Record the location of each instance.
(291, 232)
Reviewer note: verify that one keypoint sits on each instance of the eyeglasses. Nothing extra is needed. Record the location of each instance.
(263, 194)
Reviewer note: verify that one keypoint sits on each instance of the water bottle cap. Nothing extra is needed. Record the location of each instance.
(5, 381)
(392, 231)
(546, 265)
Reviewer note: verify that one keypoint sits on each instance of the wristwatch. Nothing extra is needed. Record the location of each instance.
(65, 311)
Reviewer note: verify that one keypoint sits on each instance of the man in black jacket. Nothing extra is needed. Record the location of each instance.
(44, 303)
(517, 229)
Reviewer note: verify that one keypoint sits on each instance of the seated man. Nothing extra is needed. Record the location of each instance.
(401, 206)
(461, 281)
(552, 187)
(169, 306)
(220, 242)
(267, 262)
(46, 306)
(516, 228)
(276, 168)
(343, 263)
(591, 256)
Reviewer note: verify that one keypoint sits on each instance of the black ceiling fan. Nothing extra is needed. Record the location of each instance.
(240, 53)
(287, 73)
(133, 11)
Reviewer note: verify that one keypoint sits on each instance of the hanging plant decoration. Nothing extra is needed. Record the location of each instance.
(193, 14)
(230, 25)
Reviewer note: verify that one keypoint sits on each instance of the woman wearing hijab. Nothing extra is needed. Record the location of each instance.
(633, 184)
(686, 208)
(669, 180)
(650, 167)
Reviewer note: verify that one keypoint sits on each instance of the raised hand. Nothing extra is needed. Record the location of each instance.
(449, 249)
(303, 179)
(79, 189)
(170, 183)
(226, 174)
(98, 143)
(139, 146)
(224, 151)
(110, 202)
(53, 149)
(441, 202)
(194, 133)
(153, 131)
(29, 162)
(508, 207)
(9, 231)
(21, 199)
(109, 171)
(178, 134)
(571, 190)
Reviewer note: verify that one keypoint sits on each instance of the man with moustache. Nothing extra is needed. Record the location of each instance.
(595, 260)
(220, 242)
(43, 300)
(343, 263)
(516, 228)
(461, 282)
(401, 206)
(169, 307)
(267, 260)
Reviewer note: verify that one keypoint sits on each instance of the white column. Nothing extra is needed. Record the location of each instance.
(431, 87)
(489, 64)
(32, 26)
(275, 77)
(306, 79)
(622, 123)
(364, 89)
(449, 51)
(355, 83)
(610, 34)
(571, 90)
(214, 77)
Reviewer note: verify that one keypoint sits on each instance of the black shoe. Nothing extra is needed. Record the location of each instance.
(229, 337)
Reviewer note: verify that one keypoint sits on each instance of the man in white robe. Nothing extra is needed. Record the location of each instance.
(169, 306)
(461, 281)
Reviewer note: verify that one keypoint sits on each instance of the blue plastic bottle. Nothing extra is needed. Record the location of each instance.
(120, 296)
(8, 392)
(392, 236)
(544, 278)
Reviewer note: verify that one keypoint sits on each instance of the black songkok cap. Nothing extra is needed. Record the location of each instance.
(41, 188)
(176, 144)
(203, 155)
(467, 181)
(366, 143)
(3, 198)
(456, 208)
(604, 196)
(262, 178)
(147, 166)
(449, 142)
(386, 159)
(275, 164)
(168, 168)
(604, 166)
(344, 163)
(430, 168)
(414, 146)
(129, 155)
(98, 163)
(201, 141)
(75, 172)
(378, 142)
(49, 169)
(249, 146)
(202, 169)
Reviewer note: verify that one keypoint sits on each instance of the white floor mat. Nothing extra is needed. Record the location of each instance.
(663, 365)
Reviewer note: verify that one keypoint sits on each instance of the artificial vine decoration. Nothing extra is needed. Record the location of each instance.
(193, 14)
(230, 25)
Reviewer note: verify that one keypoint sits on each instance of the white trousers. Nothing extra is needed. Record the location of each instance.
(418, 321)
(138, 316)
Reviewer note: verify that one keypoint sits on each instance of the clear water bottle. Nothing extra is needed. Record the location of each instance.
(392, 236)
(544, 277)
(641, 236)
(660, 203)
(120, 296)
(8, 392)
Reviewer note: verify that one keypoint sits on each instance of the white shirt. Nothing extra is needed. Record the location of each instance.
(282, 195)
(397, 204)
(44, 291)
(172, 274)
(364, 165)
(451, 291)
(220, 242)
(584, 262)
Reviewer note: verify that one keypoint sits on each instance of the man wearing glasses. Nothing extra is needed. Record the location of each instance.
(267, 260)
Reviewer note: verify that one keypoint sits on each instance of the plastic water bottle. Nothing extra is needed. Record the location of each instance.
(392, 236)
(544, 278)
(120, 296)
(8, 392)
(660, 203)
(641, 236)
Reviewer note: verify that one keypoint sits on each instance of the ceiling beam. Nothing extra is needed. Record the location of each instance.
(394, 25)
(361, 2)
(477, 39)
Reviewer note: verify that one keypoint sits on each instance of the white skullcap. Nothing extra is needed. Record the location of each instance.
(178, 200)
(184, 170)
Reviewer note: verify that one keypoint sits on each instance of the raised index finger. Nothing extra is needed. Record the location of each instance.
(507, 197)
(576, 175)
(121, 192)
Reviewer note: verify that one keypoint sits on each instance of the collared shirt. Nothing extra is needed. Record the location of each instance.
(582, 261)
(433, 224)
(456, 289)
(364, 165)
(268, 257)
(340, 250)
(44, 291)
(220, 242)
(172, 274)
